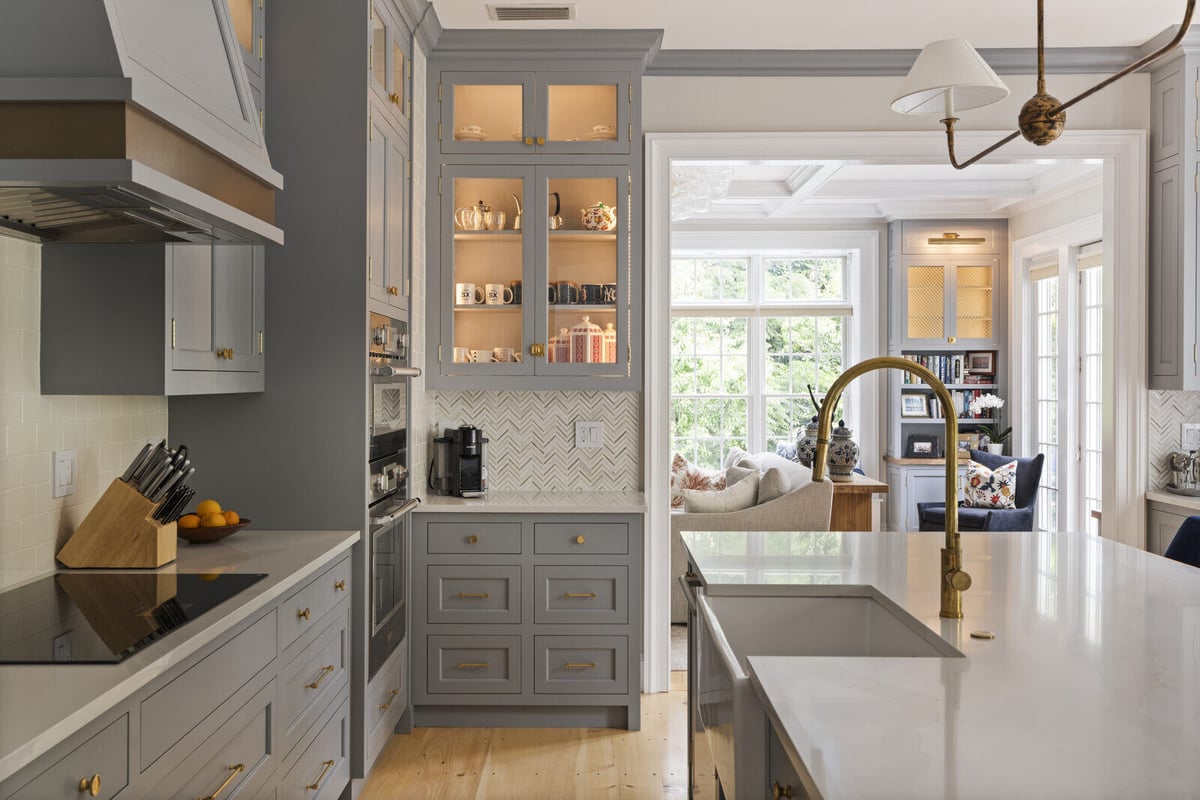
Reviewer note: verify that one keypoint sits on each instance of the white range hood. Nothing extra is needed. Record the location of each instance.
(130, 120)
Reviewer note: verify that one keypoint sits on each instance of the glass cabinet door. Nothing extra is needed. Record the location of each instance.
(584, 275)
(389, 61)
(924, 303)
(486, 317)
(485, 113)
(247, 17)
(587, 114)
(973, 300)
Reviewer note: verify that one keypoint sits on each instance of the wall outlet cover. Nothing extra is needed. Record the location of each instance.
(589, 434)
(1189, 436)
(62, 482)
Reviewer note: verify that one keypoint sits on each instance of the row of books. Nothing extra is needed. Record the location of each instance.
(948, 369)
(962, 402)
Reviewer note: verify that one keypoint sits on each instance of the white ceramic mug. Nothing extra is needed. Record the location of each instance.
(503, 354)
(497, 294)
(463, 355)
(478, 355)
(467, 294)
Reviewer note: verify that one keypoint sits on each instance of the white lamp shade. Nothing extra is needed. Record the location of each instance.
(949, 65)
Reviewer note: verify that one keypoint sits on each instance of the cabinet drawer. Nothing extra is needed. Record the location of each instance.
(387, 697)
(308, 679)
(474, 664)
(302, 610)
(596, 595)
(781, 772)
(323, 769)
(474, 537)
(487, 593)
(105, 755)
(581, 664)
(235, 762)
(606, 538)
(172, 711)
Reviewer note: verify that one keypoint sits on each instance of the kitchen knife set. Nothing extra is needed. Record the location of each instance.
(161, 475)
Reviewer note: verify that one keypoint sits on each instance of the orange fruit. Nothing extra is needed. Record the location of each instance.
(207, 507)
(213, 521)
(232, 518)
(189, 521)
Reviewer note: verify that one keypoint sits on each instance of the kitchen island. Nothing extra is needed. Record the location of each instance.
(51, 712)
(1090, 688)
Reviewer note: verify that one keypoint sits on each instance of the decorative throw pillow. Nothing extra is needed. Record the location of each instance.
(991, 488)
(735, 474)
(691, 476)
(733, 498)
(734, 455)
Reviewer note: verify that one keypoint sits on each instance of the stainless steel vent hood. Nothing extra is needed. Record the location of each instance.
(130, 120)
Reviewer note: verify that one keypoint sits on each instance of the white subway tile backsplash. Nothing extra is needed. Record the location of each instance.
(105, 432)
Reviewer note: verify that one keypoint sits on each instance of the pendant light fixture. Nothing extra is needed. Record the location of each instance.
(950, 76)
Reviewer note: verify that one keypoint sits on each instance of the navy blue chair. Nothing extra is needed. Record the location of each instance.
(1029, 476)
(1185, 546)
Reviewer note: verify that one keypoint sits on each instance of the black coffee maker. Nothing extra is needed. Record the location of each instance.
(457, 465)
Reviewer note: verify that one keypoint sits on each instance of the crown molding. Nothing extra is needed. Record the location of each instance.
(568, 45)
(422, 17)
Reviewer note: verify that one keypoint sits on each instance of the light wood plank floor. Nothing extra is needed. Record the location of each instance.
(534, 763)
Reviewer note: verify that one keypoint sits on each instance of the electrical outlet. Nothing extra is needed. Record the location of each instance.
(63, 481)
(589, 434)
(1189, 436)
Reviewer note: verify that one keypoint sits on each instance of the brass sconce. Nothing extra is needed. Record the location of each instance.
(950, 73)
(954, 238)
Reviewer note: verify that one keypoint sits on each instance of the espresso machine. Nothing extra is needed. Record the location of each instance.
(457, 466)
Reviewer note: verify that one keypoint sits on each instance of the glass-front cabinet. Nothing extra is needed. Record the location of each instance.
(390, 64)
(535, 271)
(949, 302)
(529, 112)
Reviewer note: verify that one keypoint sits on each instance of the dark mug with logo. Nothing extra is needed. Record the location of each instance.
(564, 293)
(608, 293)
(593, 293)
(515, 286)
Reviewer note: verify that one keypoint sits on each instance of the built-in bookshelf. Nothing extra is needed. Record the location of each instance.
(966, 374)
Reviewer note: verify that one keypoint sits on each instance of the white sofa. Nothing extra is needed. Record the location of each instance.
(806, 507)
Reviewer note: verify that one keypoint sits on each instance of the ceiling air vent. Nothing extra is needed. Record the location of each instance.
(531, 12)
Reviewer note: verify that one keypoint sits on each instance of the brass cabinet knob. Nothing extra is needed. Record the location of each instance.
(528, 141)
(339, 586)
(579, 539)
(90, 785)
(778, 791)
(537, 350)
(472, 539)
(305, 614)
(392, 290)
(951, 339)
(541, 140)
(394, 97)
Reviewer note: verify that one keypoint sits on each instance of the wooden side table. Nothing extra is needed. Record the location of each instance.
(852, 503)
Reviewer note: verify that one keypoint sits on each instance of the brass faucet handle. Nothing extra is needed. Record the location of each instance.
(959, 580)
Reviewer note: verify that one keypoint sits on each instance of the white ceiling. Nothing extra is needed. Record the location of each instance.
(851, 24)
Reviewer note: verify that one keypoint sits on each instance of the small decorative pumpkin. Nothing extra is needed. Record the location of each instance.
(599, 217)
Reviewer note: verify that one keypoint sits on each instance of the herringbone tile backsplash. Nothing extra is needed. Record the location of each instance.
(1167, 411)
(531, 437)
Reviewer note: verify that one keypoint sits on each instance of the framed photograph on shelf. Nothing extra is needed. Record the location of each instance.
(981, 362)
(914, 404)
(968, 442)
(923, 445)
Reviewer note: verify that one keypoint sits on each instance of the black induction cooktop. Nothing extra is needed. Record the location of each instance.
(104, 617)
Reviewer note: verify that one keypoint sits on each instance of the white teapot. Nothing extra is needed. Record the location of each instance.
(599, 217)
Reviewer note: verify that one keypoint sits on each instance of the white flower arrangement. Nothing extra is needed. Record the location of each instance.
(985, 402)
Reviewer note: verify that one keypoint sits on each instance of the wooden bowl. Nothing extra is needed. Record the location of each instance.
(204, 535)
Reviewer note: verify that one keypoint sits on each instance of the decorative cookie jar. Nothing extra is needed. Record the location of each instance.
(843, 454)
(559, 351)
(610, 344)
(587, 342)
(599, 217)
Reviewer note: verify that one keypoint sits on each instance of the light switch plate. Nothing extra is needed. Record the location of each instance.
(1189, 436)
(63, 481)
(589, 434)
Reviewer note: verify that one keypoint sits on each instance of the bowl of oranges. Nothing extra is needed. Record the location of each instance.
(209, 523)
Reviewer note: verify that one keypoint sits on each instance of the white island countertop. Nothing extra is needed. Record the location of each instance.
(508, 502)
(1091, 688)
(43, 704)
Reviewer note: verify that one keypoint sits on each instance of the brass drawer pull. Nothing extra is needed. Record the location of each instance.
(391, 696)
(581, 594)
(91, 786)
(328, 765)
(466, 665)
(339, 586)
(579, 539)
(778, 792)
(482, 595)
(235, 770)
(325, 672)
(588, 665)
(472, 539)
(305, 614)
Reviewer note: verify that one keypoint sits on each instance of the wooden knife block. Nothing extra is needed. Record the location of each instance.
(119, 532)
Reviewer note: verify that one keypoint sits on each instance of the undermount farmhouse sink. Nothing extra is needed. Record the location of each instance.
(734, 627)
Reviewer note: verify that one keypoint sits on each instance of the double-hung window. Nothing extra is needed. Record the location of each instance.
(751, 330)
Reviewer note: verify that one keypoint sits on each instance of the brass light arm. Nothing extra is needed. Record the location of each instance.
(954, 580)
(1048, 113)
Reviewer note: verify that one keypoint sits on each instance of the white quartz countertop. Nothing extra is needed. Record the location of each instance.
(1091, 687)
(1181, 500)
(539, 503)
(42, 705)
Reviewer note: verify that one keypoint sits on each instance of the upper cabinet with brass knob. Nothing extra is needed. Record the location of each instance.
(390, 67)
(948, 284)
(249, 18)
(205, 338)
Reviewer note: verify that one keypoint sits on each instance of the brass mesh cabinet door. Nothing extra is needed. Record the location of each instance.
(926, 302)
(973, 304)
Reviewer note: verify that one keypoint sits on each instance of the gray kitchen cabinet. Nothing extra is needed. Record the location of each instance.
(1174, 288)
(387, 700)
(152, 319)
(249, 19)
(1162, 523)
(387, 202)
(390, 59)
(568, 657)
(99, 763)
(783, 779)
(909, 484)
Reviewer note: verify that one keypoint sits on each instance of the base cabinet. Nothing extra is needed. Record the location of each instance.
(909, 485)
(527, 620)
(243, 718)
(1162, 523)
(387, 699)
